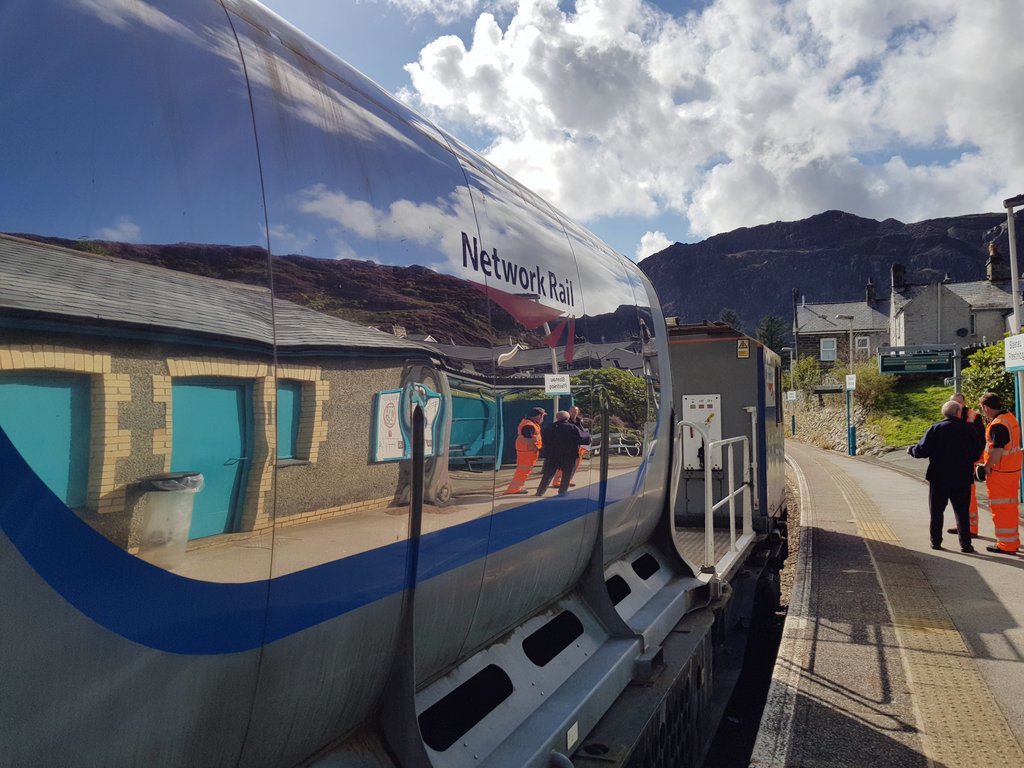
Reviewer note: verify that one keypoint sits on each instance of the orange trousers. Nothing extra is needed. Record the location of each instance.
(974, 509)
(556, 481)
(1002, 500)
(524, 465)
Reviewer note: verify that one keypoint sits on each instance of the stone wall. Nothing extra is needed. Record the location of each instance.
(823, 423)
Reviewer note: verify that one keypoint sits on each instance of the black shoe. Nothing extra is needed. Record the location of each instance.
(952, 530)
(967, 550)
(998, 551)
(936, 546)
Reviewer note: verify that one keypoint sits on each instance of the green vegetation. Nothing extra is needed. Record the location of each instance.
(903, 414)
(625, 393)
(986, 373)
(872, 386)
(806, 375)
(730, 318)
(900, 408)
(773, 332)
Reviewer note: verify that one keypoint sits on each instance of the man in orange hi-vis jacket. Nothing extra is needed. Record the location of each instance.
(528, 445)
(1000, 468)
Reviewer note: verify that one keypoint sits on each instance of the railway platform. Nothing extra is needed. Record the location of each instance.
(893, 654)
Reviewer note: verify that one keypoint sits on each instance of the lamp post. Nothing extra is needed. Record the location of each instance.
(554, 354)
(792, 416)
(790, 350)
(851, 433)
(1010, 204)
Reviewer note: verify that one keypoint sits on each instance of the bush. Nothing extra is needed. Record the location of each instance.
(986, 373)
(872, 386)
(806, 375)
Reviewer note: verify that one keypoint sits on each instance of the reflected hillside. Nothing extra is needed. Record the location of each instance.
(416, 299)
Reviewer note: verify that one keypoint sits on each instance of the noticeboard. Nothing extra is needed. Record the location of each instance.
(940, 362)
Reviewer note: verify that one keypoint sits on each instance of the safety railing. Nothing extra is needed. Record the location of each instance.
(711, 566)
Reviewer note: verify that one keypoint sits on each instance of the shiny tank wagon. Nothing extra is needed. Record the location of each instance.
(264, 332)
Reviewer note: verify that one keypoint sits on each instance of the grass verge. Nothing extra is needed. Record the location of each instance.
(905, 413)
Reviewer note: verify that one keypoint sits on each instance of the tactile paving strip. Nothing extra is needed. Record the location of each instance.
(960, 722)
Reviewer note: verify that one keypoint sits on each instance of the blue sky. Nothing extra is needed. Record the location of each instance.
(660, 122)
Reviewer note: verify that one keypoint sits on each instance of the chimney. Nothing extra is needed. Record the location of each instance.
(995, 267)
(899, 277)
(869, 292)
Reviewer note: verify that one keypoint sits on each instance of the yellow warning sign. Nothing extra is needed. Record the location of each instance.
(742, 348)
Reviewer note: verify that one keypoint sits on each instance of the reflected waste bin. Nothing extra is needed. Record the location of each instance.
(169, 500)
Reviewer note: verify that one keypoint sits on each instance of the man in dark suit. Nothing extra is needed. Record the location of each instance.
(951, 447)
(562, 441)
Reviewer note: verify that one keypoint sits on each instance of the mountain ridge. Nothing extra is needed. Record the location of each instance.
(828, 257)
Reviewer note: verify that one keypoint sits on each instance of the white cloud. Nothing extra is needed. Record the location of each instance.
(650, 243)
(286, 241)
(746, 111)
(123, 230)
(446, 11)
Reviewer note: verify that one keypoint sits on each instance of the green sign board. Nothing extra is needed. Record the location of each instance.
(940, 363)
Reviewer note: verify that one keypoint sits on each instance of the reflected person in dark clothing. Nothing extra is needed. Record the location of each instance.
(562, 441)
(951, 447)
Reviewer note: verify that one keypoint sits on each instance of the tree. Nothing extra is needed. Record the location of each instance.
(730, 318)
(625, 394)
(772, 332)
(987, 373)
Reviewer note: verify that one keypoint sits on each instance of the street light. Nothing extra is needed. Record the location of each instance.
(792, 386)
(1009, 205)
(849, 349)
(851, 432)
(790, 350)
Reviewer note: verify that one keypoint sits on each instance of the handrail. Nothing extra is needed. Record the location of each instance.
(710, 506)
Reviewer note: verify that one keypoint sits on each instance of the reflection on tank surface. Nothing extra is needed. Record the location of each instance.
(480, 392)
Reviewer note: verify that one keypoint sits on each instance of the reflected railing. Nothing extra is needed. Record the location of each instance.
(711, 568)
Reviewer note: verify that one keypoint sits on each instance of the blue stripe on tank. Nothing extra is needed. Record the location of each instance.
(168, 612)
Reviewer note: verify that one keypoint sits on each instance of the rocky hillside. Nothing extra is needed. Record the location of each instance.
(828, 257)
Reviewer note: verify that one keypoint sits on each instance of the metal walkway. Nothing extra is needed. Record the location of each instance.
(893, 654)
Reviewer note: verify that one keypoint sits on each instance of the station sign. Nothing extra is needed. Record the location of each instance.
(937, 362)
(557, 384)
(1013, 352)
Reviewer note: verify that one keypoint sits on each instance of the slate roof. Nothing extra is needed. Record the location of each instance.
(979, 294)
(984, 295)
(49, 281)
(821, 318)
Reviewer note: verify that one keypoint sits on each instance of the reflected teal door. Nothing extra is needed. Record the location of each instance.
(211, 435)
(47, 418)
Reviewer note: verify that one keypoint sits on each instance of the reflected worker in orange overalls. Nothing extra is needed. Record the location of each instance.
(1000, 468)
(528, 445)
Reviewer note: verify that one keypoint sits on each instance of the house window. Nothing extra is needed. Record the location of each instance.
(862, 345)
(828, 350)
(289, 408)
(974, 324)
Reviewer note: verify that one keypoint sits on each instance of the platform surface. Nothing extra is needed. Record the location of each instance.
(893, 654)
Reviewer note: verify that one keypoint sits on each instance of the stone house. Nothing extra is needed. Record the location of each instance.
(920, 312)
(824, 330)
(961, 314)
